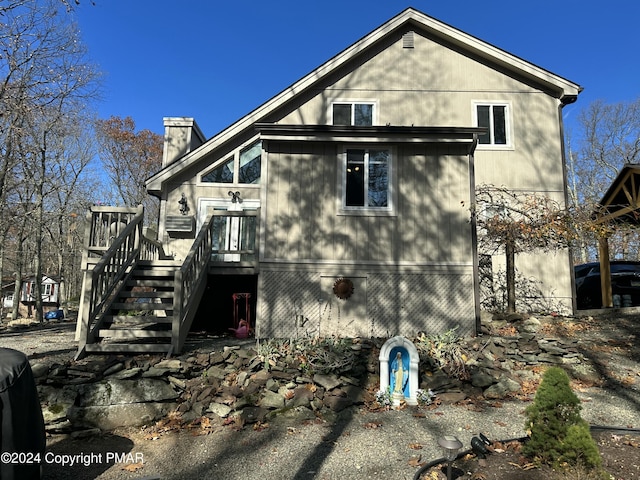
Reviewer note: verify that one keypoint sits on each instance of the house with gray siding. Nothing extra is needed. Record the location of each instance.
(342, 205)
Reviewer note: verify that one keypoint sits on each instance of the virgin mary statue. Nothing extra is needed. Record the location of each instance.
(399, 374)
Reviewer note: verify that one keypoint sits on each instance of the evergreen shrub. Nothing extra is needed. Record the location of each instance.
(559, 436)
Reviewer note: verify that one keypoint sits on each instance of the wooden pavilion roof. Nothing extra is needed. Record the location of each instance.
(620, 204)
(622, 200)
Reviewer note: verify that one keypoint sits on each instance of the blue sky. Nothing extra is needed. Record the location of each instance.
(217, 60)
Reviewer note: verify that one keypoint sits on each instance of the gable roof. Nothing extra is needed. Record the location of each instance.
(10, 282)
(622, 200)
(559, 87)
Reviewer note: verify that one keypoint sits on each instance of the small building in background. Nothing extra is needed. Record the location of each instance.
(50, 295)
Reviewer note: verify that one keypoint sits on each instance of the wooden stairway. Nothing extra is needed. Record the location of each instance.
(140, 318)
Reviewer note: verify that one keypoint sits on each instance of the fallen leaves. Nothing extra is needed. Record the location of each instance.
(631, 441)
(260, 426)
(529, 387)
(507, 331)
(526, 466)
(133, 467)
(627, 380)
(372, 425)
(202, 426)
(172, 423)
(564, 328)
(416, 461)
(415, 446)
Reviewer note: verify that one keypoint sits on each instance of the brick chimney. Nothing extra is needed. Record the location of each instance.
(181, 136)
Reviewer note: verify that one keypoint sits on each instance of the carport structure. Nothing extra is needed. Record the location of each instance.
(620, 205)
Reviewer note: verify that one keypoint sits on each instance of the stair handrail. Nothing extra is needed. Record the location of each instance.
(151, 249)
(190, 283)
(100, 282)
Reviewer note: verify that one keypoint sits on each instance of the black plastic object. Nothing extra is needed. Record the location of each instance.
(485, 440)
(479, 447)
(22, 435)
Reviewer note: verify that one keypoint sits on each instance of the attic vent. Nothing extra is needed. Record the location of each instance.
(407, 40)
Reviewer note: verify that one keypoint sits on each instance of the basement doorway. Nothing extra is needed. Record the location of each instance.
(216, 311)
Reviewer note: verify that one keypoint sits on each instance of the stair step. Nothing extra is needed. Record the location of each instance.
(128, 348)
(173, 264)
(141, 306)
(138, 319)
(132, 334)
(137, 282)
(140, 294)
(145, 273)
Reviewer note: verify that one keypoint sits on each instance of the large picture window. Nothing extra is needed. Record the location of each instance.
(495, 118)
(366, 178)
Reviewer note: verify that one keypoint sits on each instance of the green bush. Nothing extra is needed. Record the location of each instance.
(580, 448)
(559, 435)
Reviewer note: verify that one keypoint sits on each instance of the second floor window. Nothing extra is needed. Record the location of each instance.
(495, 118)
(353, 113)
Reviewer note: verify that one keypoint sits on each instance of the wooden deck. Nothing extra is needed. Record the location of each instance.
(137, 300)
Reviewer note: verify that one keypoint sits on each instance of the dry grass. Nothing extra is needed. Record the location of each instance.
(22, 322)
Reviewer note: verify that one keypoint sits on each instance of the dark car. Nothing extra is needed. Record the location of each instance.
(625, 284)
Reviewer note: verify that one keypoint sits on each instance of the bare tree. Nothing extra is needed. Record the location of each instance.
(46, 84)
(66, 200)
(608, 137)
(130, 158)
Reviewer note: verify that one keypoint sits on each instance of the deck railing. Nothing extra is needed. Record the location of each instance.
(190, 282)
(234, 237)
(210, 245)
(105, 224)
(113, 244)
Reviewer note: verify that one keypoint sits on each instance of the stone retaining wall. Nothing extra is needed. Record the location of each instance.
(252, 384)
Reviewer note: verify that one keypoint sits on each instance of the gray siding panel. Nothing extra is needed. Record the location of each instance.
(382, 305)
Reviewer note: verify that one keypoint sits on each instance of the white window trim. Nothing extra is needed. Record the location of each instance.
(205, 204)
(374, 102)
(343, 209)
(508, 127)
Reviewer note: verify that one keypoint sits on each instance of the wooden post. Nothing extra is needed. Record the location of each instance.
(511, 276)
(605, 272)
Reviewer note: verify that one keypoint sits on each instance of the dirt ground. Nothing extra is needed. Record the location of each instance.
(620, 452)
